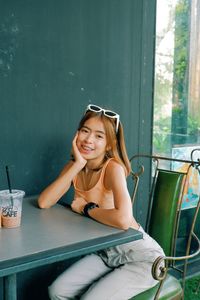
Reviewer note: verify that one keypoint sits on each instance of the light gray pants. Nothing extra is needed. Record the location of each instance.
(92, 279)
(118, 273)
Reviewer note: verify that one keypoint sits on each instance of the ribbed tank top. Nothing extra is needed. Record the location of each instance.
(98, 193)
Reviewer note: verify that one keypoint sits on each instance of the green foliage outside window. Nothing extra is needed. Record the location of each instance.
(174, 122)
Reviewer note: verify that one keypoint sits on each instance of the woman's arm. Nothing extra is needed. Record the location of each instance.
(121, 215)
(61, 185)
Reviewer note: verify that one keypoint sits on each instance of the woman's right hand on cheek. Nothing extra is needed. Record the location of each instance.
(77, 155)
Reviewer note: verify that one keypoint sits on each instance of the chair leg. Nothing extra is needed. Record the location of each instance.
(197, 289)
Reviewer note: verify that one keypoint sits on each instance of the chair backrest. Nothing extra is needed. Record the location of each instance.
(164, 215)
(166, 197)
(169, 191)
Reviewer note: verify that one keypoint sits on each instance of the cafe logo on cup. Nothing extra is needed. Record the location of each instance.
(9, 211)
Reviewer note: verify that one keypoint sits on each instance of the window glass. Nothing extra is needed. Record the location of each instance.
(176, 129)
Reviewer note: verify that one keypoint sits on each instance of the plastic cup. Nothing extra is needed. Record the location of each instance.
(0, 212)
(11, 208)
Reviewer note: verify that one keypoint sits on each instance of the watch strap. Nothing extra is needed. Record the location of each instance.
(88, 207)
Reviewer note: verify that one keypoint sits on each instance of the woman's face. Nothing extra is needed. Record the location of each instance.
(91, 141)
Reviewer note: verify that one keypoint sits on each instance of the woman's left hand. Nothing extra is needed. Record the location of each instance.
(78, 204)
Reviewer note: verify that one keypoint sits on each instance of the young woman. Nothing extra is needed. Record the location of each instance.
(98, 173)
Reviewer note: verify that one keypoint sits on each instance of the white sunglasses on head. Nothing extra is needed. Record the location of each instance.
(107, 113)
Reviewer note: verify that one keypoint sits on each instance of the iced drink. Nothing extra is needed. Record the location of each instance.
(11, 208)
(0, 213)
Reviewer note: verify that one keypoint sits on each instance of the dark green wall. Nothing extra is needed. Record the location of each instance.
(55, 58)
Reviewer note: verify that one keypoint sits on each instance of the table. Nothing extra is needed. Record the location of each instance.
(51, 235)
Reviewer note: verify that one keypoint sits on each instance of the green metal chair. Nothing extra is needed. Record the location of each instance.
(163, 218)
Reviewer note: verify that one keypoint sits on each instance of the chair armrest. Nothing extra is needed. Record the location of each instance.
(160, 265)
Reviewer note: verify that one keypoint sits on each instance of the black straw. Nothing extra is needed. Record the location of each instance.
(8, 179)
(9, 185)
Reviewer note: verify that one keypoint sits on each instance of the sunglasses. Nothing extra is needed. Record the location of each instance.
(107, 113)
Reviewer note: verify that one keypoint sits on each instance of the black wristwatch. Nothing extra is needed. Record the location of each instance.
(89, 206)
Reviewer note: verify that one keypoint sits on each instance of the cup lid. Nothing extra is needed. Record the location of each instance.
(14, 194)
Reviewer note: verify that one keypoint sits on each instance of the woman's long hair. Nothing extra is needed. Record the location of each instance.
(115, 141)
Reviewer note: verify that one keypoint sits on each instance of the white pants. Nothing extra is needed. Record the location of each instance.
(117, 273)
(89, 279)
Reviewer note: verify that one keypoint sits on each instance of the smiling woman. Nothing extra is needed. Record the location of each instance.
(91, 142)
(98, 172)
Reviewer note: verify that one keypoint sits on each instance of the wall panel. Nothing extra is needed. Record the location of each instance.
(55, 58)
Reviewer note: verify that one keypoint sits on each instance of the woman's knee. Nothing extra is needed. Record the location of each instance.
(61, 291)
(53, 292)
